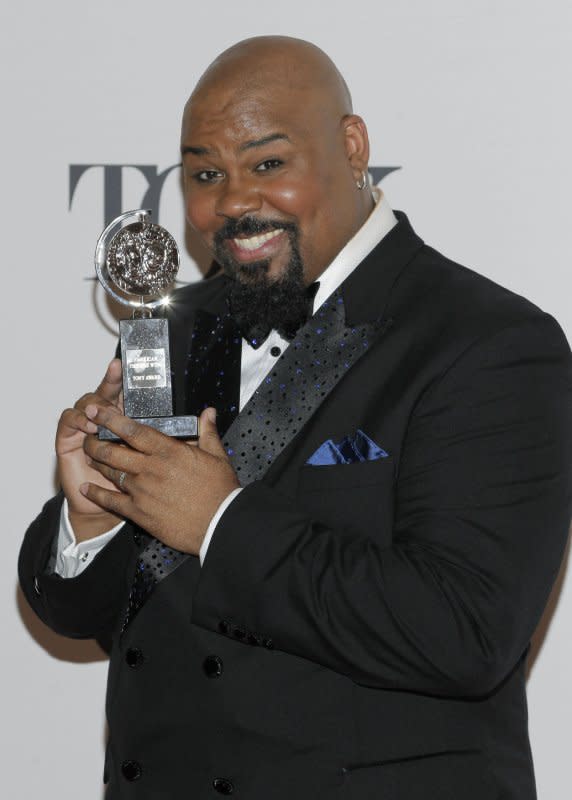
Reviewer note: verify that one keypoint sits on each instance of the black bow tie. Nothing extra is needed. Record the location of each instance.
(257, 332)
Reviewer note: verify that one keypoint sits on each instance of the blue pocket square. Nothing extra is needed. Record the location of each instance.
(349, 450)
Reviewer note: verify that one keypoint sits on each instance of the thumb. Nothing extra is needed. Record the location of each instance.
(111, 384)
(209, 440)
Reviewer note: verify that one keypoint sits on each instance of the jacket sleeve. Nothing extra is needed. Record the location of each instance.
(483, 504)
(82, 607)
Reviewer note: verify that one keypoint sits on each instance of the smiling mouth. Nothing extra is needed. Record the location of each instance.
(251, 243)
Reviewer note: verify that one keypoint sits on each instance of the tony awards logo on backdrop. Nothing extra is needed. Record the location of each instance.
(136, 262)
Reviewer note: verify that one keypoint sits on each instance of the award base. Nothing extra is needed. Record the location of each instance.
(177, 427)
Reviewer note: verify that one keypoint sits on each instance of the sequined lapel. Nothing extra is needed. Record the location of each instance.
(320, 355)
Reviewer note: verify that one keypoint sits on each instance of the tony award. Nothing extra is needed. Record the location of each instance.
(136, 262)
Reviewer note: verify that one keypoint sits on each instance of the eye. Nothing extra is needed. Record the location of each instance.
(207, 176)
(269, 164)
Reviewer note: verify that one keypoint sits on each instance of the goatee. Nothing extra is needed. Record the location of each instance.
(258, 304)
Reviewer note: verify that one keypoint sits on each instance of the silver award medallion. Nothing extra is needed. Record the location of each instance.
(143, 259)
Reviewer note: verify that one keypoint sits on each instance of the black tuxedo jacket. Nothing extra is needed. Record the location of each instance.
(357, 630)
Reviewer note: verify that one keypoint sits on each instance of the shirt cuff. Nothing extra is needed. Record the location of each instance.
(214, 522)
(73, 557)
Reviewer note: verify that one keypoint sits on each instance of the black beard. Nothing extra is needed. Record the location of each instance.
(258, 304)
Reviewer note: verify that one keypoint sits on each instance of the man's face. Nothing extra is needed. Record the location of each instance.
(267, 181)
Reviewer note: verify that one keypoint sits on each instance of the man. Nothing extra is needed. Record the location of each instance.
(335, 598)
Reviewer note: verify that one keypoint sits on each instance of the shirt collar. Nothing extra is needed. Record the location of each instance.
(377, 225)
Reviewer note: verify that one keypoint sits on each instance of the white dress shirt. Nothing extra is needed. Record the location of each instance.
(73, 557)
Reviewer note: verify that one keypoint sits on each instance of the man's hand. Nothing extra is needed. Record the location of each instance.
(87, 518)
(170, 488)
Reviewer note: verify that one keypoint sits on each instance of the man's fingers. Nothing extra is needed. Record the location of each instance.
(113, 455)
(109, 391)
(73, 420)
(140, 437)
(116, 476)
(209, 440)
(118, 503)
(111, 384)
(91, 410)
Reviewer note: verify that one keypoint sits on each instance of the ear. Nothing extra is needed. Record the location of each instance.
(356, 142)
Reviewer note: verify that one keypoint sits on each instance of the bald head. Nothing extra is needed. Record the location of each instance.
(274, 159)
(282, 63)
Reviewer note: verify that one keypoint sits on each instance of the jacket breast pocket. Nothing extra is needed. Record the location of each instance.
(356, 497)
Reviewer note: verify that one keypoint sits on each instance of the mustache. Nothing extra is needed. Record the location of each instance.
(250, 226)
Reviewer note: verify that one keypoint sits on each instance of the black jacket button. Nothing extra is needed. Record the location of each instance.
(223, 786)
(213, 666)
(275, 351)
(131, 770)
(223, 626)
(134, 657)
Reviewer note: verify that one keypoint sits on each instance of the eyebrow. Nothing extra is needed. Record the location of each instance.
(273, 137)
(205, 151)
(197, 151)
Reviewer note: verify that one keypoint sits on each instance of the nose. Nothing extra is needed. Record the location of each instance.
(237, 197)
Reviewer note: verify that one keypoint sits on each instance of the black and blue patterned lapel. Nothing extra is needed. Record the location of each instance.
(323, 351)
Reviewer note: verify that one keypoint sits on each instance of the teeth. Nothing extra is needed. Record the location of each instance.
(254, 242)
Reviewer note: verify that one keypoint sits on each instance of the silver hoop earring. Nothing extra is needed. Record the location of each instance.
(362, 183)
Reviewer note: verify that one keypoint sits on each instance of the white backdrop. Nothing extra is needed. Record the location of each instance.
(471, 99)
